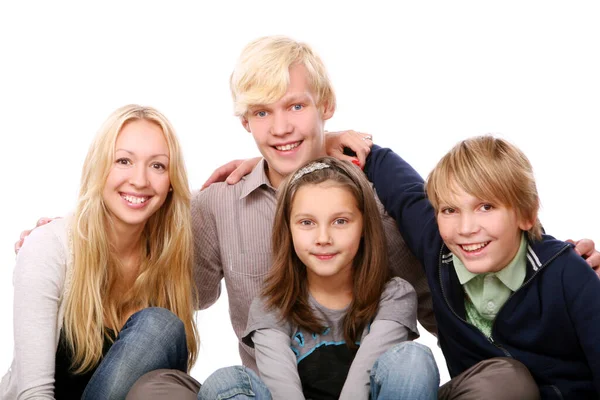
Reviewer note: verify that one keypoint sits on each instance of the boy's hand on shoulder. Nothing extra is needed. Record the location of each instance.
(360, 143)
(25, 233)
(586, 249)
(232, 172)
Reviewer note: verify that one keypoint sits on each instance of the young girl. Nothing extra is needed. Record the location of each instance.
(329, 322)
(105, 295)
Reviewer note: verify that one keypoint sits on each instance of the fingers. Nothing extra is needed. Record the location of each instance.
(221, 173)
(360, 143)
(25, 233)
(22, 236)
(242, 170)
(587, 249)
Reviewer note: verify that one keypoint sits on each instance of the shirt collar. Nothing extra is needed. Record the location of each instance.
(255, 179)
(512, 276)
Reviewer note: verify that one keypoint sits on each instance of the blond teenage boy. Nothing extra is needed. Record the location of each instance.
(283, 97)
(505, 296)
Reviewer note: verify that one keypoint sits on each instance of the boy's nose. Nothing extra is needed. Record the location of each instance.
(468, 224)
(281, 124)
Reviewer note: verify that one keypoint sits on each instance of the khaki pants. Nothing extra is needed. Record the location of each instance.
(165, 384)
(493, 379)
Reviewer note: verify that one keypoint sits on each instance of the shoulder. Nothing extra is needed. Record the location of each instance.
(50, 238)
(261, 317)
(398, 289)
(398, 302)
(215, 194)
(44, 255)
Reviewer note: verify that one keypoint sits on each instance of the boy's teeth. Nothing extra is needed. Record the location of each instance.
(473, 247)
(134, 199)
(288, 146)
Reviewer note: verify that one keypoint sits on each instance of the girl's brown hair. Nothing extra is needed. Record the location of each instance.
(286, 287)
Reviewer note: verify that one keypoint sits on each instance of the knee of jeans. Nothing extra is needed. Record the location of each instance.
(158, 320)
(232, 381)
(235, 373)
(404, 354)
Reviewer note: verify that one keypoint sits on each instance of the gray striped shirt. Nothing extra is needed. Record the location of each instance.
(232, 240)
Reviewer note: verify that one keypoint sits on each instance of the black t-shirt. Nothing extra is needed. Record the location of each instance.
(67, 385)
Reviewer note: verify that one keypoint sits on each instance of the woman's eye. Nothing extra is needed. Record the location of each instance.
(123, 161)
(448, 210)
(487, 207)
(159, 166)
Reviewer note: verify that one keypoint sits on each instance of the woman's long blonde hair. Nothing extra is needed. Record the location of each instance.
(165, 271)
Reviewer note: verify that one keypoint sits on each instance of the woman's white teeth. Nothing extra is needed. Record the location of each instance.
(135, 199)
(288, 146)
(473, 247)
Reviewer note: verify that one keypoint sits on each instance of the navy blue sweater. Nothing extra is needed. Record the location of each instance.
(551, 324)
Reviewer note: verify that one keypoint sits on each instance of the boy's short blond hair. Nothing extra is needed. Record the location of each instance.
(261, 75)
(490, 169)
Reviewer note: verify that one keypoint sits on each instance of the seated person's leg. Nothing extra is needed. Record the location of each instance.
(153, 338)
(496, 378)
(165, 384)
(236, 383)
(406, 371)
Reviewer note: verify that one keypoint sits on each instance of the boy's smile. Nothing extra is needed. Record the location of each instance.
(289, 132)
(483, 235)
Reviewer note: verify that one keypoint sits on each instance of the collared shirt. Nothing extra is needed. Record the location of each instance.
(232, 240)
(487, 293)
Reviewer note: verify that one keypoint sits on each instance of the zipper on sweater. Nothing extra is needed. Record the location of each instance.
(528, 281)
(489, 339)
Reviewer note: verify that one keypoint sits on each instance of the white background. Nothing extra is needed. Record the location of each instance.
(419, 77)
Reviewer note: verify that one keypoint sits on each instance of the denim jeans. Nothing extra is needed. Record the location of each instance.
(406, 371)
(239, 383)
(152, 338)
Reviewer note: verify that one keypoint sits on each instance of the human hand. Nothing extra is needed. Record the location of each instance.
(360, 143)
(587, 249)
(232, 172)
(24, 234)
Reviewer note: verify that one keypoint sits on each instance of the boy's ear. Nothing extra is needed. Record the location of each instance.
(245, 123)
(328, 111)
(526, 224)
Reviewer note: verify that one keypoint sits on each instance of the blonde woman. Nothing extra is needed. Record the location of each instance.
(105, 295)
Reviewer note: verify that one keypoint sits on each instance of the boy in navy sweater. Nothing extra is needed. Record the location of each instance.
(504, 294)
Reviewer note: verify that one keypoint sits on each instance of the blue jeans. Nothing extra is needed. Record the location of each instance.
(152, 338)
(406, 371)
(239, 383)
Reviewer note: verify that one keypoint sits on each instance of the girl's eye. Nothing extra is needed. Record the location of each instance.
(297, 107)
(340, 221)
(306, 222)
(159, 166)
